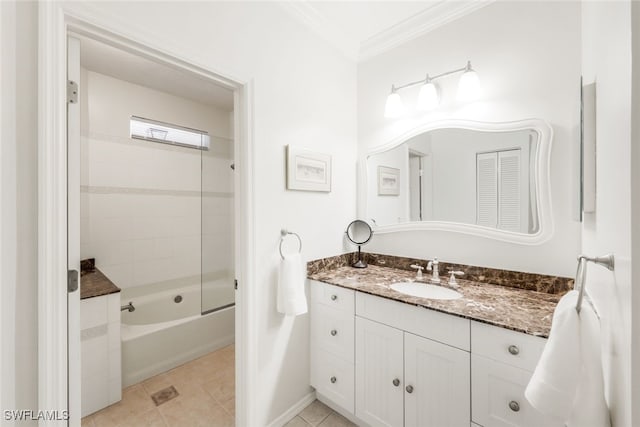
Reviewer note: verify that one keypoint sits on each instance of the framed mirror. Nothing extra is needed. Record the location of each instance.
(478, 178)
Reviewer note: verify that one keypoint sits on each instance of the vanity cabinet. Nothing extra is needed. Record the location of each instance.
(395, 364)
(502, 362)
(405, 379)
(332, 343)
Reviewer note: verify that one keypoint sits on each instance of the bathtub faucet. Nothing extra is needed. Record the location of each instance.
(129, 307)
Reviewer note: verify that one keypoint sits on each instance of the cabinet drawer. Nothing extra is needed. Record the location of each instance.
(497, 396)
(333, 377)
(333, 296)
(332, 330)
(515, 348)
(444, 328)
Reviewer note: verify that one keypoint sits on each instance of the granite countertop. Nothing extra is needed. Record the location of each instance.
(93, 283)
(507, 307)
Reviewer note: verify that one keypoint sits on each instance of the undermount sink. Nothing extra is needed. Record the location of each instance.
(424, 290)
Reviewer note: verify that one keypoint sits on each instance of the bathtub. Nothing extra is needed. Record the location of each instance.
(162, 334)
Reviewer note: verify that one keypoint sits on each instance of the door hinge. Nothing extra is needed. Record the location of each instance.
(72, 280)
(72, 92)
(235, 284)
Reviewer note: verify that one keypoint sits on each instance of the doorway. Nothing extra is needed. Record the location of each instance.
(57, 358)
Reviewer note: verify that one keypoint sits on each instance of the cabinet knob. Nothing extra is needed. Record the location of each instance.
(513, 349)
(334, 332)
(409, 389)
(334, 297)
(333, 380)
(396, 382)
(514, 406)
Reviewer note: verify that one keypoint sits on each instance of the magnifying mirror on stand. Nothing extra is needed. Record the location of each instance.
(359, 233)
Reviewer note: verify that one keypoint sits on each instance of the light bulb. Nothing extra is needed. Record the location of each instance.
(428, 98)
(469, 86)
(394, 107)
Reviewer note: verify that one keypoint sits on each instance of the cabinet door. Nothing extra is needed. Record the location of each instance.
(498, 396)
(379, 366)
(437, 383)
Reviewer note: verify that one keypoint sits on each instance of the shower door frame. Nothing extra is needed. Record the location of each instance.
(56, 21)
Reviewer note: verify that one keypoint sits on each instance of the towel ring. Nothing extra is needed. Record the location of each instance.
(606, 261)
(283, 234)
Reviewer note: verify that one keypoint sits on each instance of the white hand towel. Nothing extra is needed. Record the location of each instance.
(291, 280)
(567, 384)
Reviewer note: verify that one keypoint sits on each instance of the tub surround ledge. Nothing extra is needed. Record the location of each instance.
(522, 302)
(93, 282)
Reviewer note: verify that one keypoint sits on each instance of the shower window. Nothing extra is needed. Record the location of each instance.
(167, 133)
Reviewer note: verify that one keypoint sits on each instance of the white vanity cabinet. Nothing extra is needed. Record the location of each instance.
(332, 343)
(502, 362)
(390, 363)
(406, 379)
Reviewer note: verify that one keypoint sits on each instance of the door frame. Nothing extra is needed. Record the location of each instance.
(56, 20)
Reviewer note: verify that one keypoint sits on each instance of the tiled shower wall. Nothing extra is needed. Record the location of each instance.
(142, 214)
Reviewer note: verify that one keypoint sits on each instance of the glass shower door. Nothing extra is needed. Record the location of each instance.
(218, 264)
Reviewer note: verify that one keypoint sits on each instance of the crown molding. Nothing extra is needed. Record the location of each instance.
(309, 16)
(435, 16)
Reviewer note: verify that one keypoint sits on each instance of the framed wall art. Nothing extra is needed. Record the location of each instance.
(307, 170)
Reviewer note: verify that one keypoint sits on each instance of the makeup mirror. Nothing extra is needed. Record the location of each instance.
(359, 233)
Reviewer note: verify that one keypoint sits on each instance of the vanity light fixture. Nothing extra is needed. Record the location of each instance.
(394, 107)
(429, 97)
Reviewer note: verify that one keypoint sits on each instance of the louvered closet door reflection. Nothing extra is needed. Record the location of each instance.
(509, 200)
(487, 189)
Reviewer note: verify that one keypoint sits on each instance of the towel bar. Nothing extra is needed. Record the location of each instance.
(283, 234)
(604, 261)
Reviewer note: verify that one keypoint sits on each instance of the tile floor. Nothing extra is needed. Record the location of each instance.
(205, 397)
(317, 414)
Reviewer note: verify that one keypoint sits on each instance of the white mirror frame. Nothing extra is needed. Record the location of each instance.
(543, 185)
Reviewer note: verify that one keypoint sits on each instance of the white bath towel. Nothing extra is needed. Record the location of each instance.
(567, 384)
(291, 281)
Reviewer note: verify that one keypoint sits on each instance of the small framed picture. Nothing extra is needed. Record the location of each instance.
(388, 181)
(308, 171)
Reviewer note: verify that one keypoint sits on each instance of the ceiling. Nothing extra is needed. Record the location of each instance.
(360, 29)
(102, 58)
(363, 29)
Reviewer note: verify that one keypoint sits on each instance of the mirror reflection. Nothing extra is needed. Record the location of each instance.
(484, 178)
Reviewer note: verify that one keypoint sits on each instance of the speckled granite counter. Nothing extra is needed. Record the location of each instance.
(93, 283)
(504, 306)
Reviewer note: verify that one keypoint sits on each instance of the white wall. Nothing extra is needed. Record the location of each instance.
(18, 230)
(606, 50)
(305, 95)
(527, 55)
(142, 215)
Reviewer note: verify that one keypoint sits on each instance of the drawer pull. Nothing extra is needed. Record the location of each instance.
(333, 380)
(514, 406)
(396, 382)
(334, 332)
(409, 389)
(513, 349)
(334, 297)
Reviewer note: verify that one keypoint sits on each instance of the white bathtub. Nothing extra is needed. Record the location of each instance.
(162, 334)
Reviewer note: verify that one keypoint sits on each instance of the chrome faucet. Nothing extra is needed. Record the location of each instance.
(453, 283)
(419, 269)
(129, 307)
(434, 266)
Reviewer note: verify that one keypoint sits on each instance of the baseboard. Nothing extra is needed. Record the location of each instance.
(290, 413)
